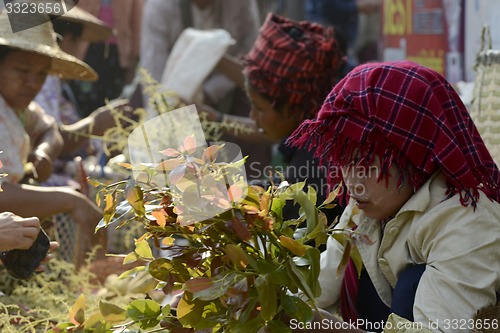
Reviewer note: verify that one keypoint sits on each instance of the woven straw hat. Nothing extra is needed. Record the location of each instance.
(95, 30)
(41, 39)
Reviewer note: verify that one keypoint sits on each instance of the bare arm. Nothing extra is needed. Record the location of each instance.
(233, 69)
(76, 135)
(26, 201)
(242, 122)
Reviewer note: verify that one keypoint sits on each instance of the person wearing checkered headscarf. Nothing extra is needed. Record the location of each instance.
(294, 64)
(434, 256)
(289, 71)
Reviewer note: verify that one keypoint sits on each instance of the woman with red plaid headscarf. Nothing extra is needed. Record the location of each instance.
(424, 201)
(287, 74)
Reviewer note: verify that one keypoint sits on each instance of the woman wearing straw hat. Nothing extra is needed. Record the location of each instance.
(57, 97)
(28, 134)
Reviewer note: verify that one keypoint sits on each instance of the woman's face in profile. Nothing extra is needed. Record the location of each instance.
(22, 75)
(276, 125)
(378, 199)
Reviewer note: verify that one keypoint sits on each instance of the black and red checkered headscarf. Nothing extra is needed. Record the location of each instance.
(294, 64)
(406, 114)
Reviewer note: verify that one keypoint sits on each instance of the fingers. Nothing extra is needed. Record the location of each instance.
(53, 246)
(17, 232)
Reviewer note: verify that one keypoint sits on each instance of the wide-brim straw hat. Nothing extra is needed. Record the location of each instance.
(41, 39)
(94, 30)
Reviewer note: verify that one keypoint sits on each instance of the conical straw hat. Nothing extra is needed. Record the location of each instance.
(95, 30)
(41, 39)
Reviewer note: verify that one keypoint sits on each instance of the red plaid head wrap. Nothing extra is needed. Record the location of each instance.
(293, 63)
(406, 114)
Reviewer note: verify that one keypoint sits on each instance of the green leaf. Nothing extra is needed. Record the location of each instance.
(143, 250)
(145, 312)
(111, 312)
(277, 207)
(312, 195)
(309, 209)
(277, 326)
(299, 278)
(237, 256)
(190, 311)
(296, 308)
(218, 287)
(345, 258)
(135, 197)
(267, 297)
(132, 271)
(313, 254)
(246, 326)
(130, 258)
(356, 258)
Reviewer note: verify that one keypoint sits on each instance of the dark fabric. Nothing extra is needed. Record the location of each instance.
(403, 296)
(294, 64)
(409, 116)
(371, 308)
(187, 19)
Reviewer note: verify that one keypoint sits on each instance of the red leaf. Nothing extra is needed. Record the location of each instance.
(176, 174)
(210, 154)
(170, 152)
(198, 284)
(240, 229)
(235, 192)
(189, 144)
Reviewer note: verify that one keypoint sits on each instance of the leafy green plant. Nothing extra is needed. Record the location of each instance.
(238, 263)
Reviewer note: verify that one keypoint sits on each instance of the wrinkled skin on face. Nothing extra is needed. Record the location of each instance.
(377, 199)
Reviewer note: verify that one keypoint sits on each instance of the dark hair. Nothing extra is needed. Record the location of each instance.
(4, 51)
(67, 28)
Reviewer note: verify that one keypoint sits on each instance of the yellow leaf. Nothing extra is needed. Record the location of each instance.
(333, 195)
(111, 312)
(126, 165)
(77, 312)
(264, 202)
(160, 218)
(295, 247)
(94, 320)
(168, 241)
(109, 202)
(143, 250)
(130, 258)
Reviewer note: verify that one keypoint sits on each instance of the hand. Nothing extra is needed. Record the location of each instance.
(43, 165)
(86, 215)
(52, 248)
(17, 232)
(211, 114)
